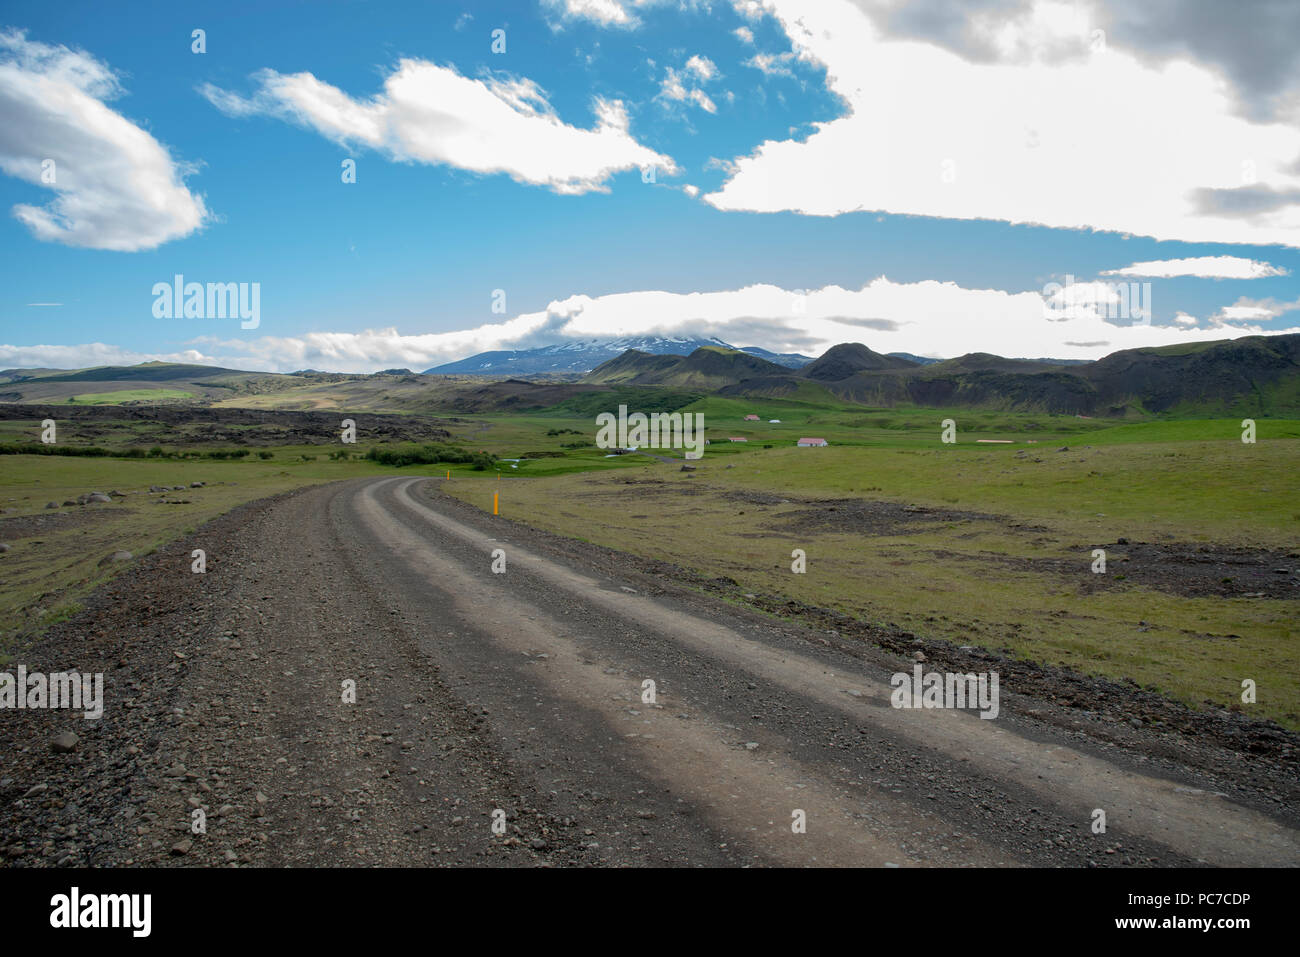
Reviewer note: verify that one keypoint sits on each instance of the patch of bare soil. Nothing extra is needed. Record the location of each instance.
(1184, 569)
(1201, 570)
(861, 517)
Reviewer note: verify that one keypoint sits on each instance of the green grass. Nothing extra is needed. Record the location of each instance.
(47, 574)
(972, 580)
(128, 395)
(981, 581)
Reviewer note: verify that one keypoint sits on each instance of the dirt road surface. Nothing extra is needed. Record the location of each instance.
(524, 691)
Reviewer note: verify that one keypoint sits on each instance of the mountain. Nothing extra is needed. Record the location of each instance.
(708, 367)
(986, 362)
(585, 355)
(791, 360)
(848, 358)
(1250, 375)
(577, 356)
(1254, 375)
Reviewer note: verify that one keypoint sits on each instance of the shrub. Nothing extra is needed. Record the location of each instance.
(431, 453)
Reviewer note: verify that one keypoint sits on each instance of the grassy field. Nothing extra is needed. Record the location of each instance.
(1004, 563)
(128, 395)
(1011, 571)
(57, 556)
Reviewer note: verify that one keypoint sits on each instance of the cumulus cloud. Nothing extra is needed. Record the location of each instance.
(115, 186)
(773, 64)
(702, 67)
(87, 355)
(1104, 138)
(623, 14)
(1251, 45)
(680, 86)
(1255, 310)
(1206, 267)
(605, 12)
(432, 114)
(926, 318)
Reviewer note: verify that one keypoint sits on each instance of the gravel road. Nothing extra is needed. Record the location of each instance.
(523, 691)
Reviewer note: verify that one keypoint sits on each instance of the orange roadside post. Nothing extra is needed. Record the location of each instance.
(495, 496)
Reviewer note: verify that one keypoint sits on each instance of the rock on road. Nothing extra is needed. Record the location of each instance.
(522, 692)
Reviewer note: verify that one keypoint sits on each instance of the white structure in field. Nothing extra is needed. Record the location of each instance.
(811, 443)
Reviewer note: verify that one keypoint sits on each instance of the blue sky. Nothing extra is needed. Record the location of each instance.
(826, 171)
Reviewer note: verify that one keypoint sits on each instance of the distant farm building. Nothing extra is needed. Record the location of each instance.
(738, 439)
(774, 421)
(811, 443)
(751, 418)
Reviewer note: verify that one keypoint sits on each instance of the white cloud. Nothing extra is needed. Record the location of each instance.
(1252, 47)
(773, 64)
(605, 13)
(702, 67)
(1254, 310)
(675, 90)
(602, 11)
(1206, 267)
(87, 355)
(926, 318)
(432, 114)
(613, 13)
(744, 34)
(1101, 139)
(115, 186)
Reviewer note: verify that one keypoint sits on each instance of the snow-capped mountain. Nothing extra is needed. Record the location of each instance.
(583, 355)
